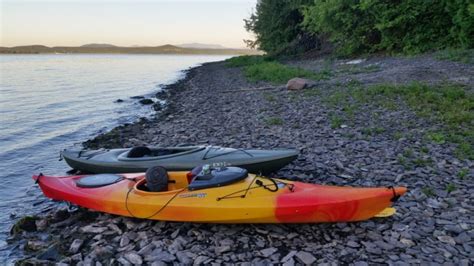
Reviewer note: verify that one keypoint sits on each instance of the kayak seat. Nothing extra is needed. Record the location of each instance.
(217, 177)
(138, 152)
(156, 179)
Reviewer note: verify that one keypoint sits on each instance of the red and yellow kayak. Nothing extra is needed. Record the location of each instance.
(254, 199)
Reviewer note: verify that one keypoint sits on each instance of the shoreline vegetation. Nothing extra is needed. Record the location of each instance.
(110, 49)
(376, 121)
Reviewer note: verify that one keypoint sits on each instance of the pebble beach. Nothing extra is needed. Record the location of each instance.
(373, 145)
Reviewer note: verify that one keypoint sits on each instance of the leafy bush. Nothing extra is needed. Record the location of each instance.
(409, 26)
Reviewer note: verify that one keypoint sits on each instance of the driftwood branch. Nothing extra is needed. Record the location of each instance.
(256, 89)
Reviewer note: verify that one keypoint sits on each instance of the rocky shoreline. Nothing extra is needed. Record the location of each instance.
(376, 147)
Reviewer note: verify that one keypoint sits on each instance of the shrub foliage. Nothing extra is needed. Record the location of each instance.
(364, 26)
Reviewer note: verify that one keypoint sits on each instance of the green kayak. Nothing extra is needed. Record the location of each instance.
(139, 159)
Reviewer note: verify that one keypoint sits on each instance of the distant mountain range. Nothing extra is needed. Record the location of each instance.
(102, 48)
(202, 46)
(98, 45)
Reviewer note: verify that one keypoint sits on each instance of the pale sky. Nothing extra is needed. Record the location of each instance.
(124, 23)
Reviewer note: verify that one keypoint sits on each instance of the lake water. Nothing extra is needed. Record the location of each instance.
(51, 102)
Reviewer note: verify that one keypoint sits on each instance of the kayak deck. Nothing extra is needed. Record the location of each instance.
(252, 200)
(181, 159)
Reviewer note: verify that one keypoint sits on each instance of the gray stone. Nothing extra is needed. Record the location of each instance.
(75, 246)
(352, 244)
(124, 240)
(289, 262)
(199, 260)
(267, 252)
(158, 263)
(175, 233)
(146, 249)
(91, 229)
(447, 240)
(76, 257)
(288, 256)
(183, 258)
(407, 242)
(305, 257)
(123, 261)
(161, 255)
(35, 245)
(222, 249)
(133, 258)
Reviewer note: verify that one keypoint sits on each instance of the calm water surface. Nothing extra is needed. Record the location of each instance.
(51, 102)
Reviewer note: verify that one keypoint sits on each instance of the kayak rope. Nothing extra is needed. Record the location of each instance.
(204, 157)
(260, 184)
(395, 195)
(155, 213)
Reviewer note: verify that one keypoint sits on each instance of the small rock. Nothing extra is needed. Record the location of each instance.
(288, 256)
(124, 240)
(289, 262)
(146, 249)
(91, 229)
(175, 233)
(76, 257)
(161, 94)
(200, 260)
(75, 246)
(35, 245)
(137, 97)
(157, 106)
(268, 252)
(146, 101)
(119, 101)
(123, 261)
(297, 84)
(159, 254)
(183, 258)
(447, 240)
(51, 253)
(27, 223)
(407, 242)
(41, 224)
(352, 244)
(134, 258)
(305, 257)
(222, 249)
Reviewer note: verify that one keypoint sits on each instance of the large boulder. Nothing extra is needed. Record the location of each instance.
(297, 84)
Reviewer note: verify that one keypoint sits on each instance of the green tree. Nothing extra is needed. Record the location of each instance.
(276, 25)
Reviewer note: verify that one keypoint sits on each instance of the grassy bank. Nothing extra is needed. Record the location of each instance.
(261, 68)
(450, 105)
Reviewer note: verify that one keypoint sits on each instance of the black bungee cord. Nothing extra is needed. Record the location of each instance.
(158, 211)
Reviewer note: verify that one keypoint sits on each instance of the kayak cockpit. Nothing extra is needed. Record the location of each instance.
(157, 179)
(176, 181)
(146, 153)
